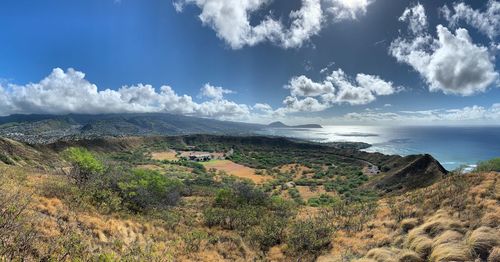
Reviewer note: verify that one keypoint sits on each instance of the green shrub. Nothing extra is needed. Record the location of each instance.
(238, 194)
(295, 195)
(147, 189)
(310, 236)
(489, 165)
(282, 207)
(270, 232)
(192, 240)
(84, 164)
(323, 200)
(6, 160)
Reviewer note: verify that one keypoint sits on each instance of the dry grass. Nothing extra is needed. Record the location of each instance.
(448, 236)
(237, 170)
(408, 224)
(420, 243)
(306, 192)
(382, 255)
(150, 167)
(482, 240)
(450, 252)
(463, 203)
(409, 256)
(165, 155)
(494, 255)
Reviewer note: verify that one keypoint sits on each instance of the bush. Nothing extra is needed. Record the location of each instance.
(147, 189)
(310, 236)
(489, 165)
(5, 159)
(192, 240)
(269, 233)
(323, 200)
(84, 164)
(238, 194)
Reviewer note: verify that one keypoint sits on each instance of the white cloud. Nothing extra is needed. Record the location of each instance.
(265, 108)
(359, 92)
(452, 63)
(471, 114)
(375, 84)
(215, 92)
(337, 88)
(346, 9)
(69, 92)
(303, 86)
(308, 104)
(416, 18)
(306, 23)
(487, 22)
(230, 19)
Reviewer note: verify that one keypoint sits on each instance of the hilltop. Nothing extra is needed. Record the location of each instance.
(279, 124)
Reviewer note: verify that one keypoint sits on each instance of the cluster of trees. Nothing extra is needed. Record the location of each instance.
(115, 187)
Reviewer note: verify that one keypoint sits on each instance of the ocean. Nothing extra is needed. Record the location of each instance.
(452, 146)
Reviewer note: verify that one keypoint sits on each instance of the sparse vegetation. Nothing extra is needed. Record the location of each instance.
(489, 165)
(122, 204)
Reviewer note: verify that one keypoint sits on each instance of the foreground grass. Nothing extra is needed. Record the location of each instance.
(179, 211)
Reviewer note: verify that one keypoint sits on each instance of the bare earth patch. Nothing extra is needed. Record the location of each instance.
(165, 155)
(237, 170)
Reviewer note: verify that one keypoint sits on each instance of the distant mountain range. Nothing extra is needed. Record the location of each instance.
(45, 128)
(49, 128)
(279, 124)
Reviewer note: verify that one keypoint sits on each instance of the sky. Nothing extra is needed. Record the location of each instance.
(299, 61)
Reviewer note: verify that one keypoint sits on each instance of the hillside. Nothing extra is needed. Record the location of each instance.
(42, 129)
(272, 199)
(411, 172)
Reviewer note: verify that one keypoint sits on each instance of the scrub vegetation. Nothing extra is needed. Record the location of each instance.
(114, 200)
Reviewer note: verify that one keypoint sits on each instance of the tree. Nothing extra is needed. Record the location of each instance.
(84, 164)
(145, 189)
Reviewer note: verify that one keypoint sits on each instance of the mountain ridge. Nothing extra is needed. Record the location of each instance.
(44, 128)
(279, 124)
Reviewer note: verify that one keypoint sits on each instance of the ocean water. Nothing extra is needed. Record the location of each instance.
(453, 146)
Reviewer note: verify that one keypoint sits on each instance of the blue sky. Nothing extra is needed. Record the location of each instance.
(329, 61)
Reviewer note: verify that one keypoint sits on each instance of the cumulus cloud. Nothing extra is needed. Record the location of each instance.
(346, 9)
(452, 63)
(69, 92)
(336, 88)
(266, 108)
(230, 19)
(469, 114)
(308, 104)
(306, 23)
(416, 18)
(215, 92)
(303, 86)
(487, 22)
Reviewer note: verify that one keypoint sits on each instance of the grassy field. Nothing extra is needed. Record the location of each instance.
(237, 170)
(165, 155)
